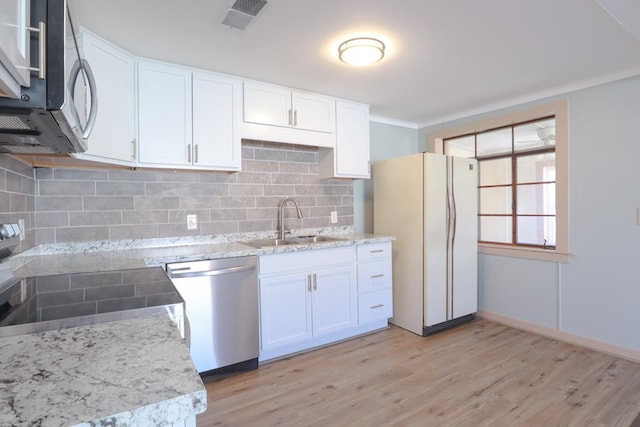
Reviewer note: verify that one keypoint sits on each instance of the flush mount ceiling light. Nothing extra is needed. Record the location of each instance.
(361, 51)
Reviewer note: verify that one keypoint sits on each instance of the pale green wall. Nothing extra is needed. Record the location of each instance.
(386, 141)
(596, 294)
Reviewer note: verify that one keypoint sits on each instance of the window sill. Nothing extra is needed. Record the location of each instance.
(527, 253)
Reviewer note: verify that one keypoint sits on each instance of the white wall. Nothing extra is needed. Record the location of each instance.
(597, 294)
(386, 141)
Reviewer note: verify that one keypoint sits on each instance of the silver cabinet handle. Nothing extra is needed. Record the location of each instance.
(133, 149)
(376, 276)
(373, 307)
(309, 282)
(195, 149)
(315, 282)
(295, 117)
(377, 251)
(42, 50)
(188, 153)
(290, 119)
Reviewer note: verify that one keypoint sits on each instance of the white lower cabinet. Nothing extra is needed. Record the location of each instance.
(315, 297)
(375, 281)
(285, 310)
(306, 297)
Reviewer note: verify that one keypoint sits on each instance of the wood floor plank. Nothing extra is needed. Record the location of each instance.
(478, 374)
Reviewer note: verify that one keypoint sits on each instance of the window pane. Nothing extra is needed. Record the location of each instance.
(494, 142)
(536, 168)
(461, 147)
(495, 229)
(534, 135)
(495, 200)
(537, 199)
(495, 172)
(537, 230)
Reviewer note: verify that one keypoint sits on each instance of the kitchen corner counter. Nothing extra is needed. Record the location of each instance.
(105, 256)
(129, 372)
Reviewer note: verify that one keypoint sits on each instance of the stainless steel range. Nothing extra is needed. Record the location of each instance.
(36, 304)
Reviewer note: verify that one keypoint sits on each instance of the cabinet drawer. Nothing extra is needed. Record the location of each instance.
(373, 251)
(304, 260)
(374, 276)
(375, 306)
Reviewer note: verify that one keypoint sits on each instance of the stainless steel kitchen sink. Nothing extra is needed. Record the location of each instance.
(294, 240)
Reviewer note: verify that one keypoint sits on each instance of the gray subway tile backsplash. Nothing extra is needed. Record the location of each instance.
(74, 205)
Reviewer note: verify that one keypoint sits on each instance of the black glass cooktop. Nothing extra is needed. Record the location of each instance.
(50, 302)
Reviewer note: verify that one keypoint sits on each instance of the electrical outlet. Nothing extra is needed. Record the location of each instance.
(22, 230)
(192, 222)
(334, 217)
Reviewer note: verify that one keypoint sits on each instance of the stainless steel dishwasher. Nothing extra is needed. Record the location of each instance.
(221, 298)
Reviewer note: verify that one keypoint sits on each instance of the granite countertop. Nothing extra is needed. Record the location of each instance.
(130, 372)
(104, 256)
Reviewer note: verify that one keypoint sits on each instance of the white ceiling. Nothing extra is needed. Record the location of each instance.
(446, 58)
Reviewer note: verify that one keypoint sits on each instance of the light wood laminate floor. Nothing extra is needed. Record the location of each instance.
(478, 374)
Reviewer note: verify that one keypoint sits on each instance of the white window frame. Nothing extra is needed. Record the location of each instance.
(559, 109)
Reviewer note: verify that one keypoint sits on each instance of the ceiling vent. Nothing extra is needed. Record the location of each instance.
(242, 13)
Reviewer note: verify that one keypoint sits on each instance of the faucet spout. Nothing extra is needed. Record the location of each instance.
(281, 207)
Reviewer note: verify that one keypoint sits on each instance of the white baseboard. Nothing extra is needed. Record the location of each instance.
(603, 347)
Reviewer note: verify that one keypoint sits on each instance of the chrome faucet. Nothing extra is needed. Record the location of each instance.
(281, 214)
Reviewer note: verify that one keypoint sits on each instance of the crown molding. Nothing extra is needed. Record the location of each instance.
(536, 96)
(393, 122)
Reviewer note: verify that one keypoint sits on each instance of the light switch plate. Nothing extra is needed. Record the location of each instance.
(334, 217)
(192, 222)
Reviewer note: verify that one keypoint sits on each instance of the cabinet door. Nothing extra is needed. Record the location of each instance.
(334, 300)
(352, 140)
(164, 114)
(14, 46)
(216, 103)
(285, 310)
(267, 105)
(113, 136)
(313, 112)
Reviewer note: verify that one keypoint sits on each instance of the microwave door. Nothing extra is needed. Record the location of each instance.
(80, 107)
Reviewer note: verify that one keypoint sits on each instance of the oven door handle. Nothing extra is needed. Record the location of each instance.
(184, 272)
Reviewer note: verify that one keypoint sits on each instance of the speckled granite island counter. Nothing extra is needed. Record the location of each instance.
(134, 372)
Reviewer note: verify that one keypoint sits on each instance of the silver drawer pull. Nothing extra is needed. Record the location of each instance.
(377, 276)
(376, 251)
(373, 307)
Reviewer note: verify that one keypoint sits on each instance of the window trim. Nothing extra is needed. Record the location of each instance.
(559, 109)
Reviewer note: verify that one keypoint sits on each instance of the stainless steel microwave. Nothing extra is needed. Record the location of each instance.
(46, 118)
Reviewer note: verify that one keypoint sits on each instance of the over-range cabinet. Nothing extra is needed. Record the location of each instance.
(429, 203)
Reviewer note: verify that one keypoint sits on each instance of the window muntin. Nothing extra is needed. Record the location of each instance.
(516, 185)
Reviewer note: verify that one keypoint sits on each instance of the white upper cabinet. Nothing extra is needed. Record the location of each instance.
(113, 137)
(267, 105)
(187, 119)
(217, 107)
(164, 114)
(274, 113)
(14, 46)
(313, 112)
(350, 158)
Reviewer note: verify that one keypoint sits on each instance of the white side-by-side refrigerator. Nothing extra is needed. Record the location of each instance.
(429, 203)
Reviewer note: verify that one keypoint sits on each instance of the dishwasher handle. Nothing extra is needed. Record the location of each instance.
(185, 271)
